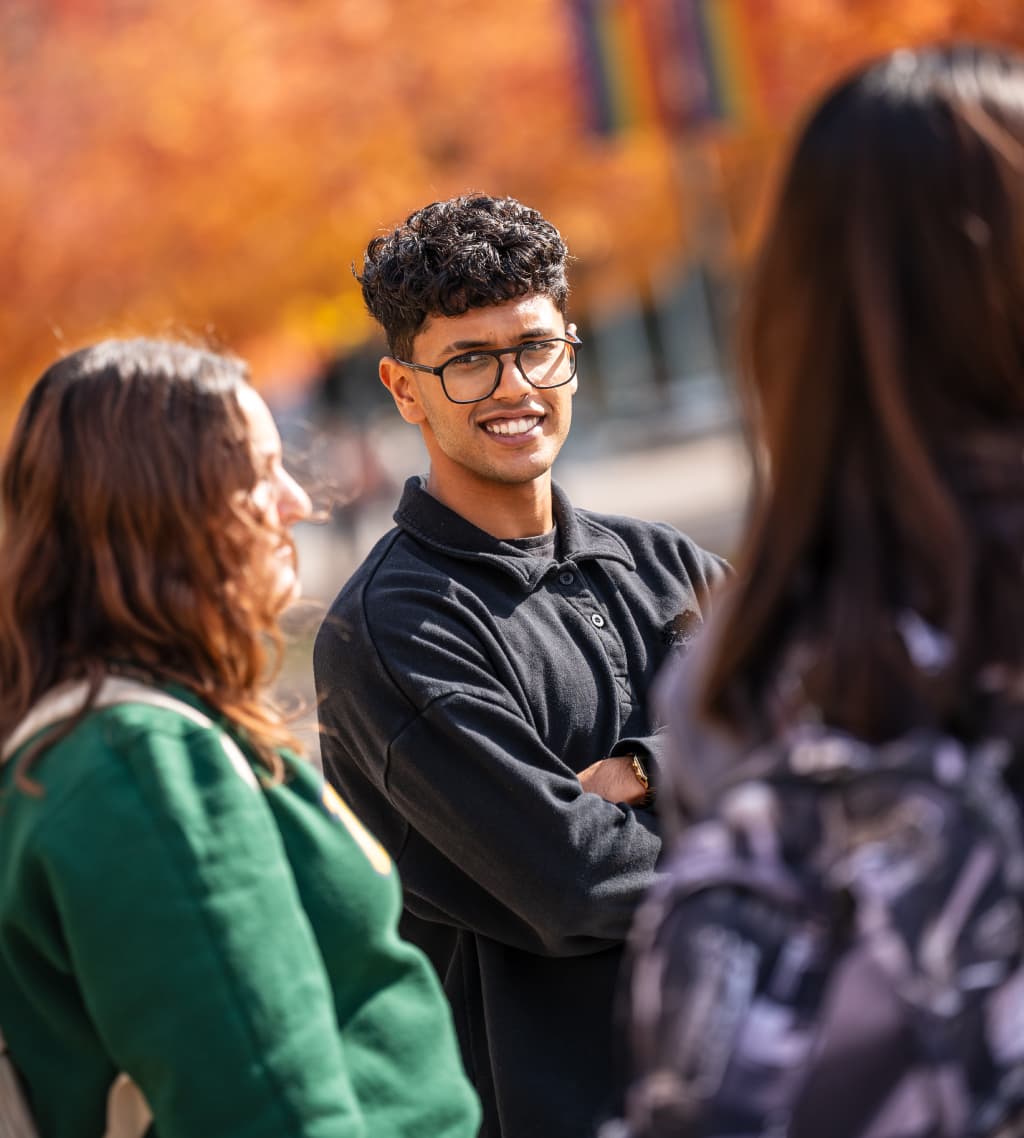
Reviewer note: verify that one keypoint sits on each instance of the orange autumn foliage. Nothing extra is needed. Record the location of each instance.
(214, 170)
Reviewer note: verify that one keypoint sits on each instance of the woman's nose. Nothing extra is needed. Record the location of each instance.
(293, 504)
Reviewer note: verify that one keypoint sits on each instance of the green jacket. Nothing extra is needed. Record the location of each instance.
(229, 944)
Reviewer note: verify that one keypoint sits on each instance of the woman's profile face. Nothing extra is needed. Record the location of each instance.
(277, 499)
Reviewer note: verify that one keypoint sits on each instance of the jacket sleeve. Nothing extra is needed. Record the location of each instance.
(190, 946)
(651, 749)
(499, 836)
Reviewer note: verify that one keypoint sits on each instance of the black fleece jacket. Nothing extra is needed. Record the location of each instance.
(462, 684)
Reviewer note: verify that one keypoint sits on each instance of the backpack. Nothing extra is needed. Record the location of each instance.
(837, 950)
(128, 1114)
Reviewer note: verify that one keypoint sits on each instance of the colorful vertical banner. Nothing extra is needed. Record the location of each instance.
(677, 54)
(727, 50)
(616, 75)
(681, 64)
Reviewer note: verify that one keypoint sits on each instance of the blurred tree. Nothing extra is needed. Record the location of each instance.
(214, 169)
(811, 43)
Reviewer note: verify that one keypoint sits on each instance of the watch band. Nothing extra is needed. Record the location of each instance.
(641, 773)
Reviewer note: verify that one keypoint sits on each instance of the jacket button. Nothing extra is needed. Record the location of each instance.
(566, 578)
(597, 620)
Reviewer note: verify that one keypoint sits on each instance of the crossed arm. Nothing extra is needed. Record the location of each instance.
(491, 829)
(614, 780)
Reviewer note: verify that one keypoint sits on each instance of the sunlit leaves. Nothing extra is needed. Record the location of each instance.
(215, 168)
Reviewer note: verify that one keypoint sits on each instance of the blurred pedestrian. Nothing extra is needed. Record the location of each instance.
(192, 924)
(849, 734)
(483, 675)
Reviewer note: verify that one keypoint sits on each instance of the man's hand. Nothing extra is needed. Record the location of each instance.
(614, 780)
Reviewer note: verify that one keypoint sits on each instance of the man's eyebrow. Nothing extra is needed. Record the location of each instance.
(541, 333)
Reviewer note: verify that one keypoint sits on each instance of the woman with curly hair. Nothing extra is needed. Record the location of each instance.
(194, 930)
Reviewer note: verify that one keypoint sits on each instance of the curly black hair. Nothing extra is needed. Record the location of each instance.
(468, 252)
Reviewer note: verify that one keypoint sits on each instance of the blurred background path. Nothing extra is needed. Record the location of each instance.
(698, 485)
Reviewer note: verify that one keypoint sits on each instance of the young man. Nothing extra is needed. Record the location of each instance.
(483, 677)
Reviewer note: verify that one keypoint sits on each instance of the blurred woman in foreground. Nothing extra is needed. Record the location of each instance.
(880, 593)
(191, 923)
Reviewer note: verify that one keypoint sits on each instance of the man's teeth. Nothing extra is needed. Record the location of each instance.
(511, 426)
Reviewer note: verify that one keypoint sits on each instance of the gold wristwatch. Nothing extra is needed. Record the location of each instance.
(642, 777)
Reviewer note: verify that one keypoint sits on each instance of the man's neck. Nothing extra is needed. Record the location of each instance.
(505, 511)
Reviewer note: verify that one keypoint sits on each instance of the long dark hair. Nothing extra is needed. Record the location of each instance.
(126, 540)
(881, 579)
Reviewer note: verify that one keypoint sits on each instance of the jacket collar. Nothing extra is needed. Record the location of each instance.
(581, 537)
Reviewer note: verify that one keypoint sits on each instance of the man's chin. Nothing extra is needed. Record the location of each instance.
(521, 473)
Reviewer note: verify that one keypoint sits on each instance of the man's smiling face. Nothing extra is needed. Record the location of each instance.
(511, 437)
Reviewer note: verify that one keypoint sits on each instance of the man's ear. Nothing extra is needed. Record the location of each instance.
(575, 382)
(403, 389)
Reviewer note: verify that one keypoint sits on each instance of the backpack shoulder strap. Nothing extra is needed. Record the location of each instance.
(128, 1115)
(66, 700)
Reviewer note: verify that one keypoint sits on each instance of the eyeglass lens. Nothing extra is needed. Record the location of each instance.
(473, 376)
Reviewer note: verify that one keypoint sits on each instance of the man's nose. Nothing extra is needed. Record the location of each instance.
(511, 378)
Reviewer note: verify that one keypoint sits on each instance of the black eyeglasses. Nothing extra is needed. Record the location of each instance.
(472, 376)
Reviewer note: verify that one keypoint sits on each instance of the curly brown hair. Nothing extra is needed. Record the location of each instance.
(128, 541)
(469, 252)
